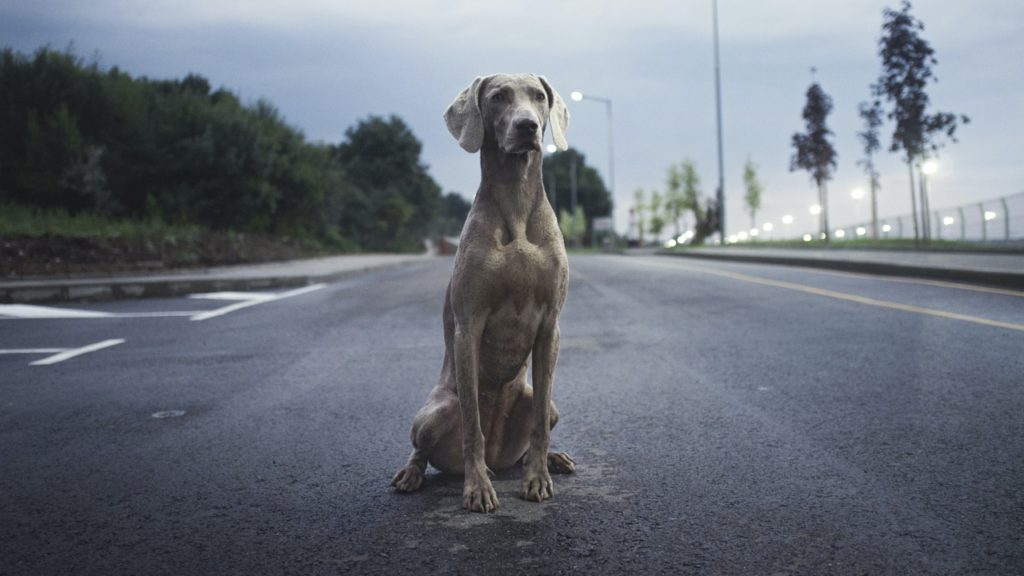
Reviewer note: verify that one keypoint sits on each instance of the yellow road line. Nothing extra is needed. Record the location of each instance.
(902, 280)
(842, 296)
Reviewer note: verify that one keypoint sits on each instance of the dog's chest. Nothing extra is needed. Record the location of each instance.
(528, 275)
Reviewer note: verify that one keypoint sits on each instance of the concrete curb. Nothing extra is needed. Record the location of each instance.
(985, 277)
(39, 291)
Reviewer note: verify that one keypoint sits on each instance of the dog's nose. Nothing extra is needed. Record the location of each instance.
(525, 126)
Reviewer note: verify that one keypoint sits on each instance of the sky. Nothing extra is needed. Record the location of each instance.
(326, 64)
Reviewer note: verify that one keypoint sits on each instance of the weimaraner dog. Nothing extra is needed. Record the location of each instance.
(502, 303)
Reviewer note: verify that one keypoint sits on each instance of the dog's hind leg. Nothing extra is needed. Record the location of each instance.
(435, 438)
(410, 478)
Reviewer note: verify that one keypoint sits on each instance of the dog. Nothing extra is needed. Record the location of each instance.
(502, 305)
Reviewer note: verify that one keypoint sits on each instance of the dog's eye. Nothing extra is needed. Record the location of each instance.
(539, 97)
(498, 97)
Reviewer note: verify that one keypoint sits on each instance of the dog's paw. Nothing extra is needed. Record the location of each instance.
(560, 463)
(537, 486)
(408, 479)
(478, 495)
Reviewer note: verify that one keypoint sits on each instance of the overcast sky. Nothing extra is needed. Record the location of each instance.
(328, 63)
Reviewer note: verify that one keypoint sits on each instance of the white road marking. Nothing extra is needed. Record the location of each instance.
(29, 311)
(242, 300)
(234, 296)
(68, 354)
(255, 299)
(32, 350)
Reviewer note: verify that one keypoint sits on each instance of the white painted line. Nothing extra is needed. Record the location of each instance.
(29, 311)
(68, 354)
(300, 291)
(234, 296)
(32, 350)
(241, 300)
(259, 298)
(225, 310)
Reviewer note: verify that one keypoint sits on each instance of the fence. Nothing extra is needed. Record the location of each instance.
(999, 220)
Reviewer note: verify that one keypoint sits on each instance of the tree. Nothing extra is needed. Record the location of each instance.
(692, 194)
(872, 116)
(754, 188)
(639, 212)
(907, 59)
(591, 194)
(573, 225)
(399, 198)
(674, 205)
(813, 150)
(656, 222)
(452, 214)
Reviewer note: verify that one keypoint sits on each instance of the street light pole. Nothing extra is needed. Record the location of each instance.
(579, 96)
(718, 116)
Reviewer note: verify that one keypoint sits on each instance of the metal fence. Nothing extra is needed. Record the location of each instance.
(999, 220)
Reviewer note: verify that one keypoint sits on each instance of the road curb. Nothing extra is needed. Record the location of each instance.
(124, 288)
(986, 277)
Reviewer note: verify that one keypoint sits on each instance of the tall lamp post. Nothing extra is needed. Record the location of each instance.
(578, 96)
(720, 196)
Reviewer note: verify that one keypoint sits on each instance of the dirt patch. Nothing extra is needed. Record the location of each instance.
(50, 255)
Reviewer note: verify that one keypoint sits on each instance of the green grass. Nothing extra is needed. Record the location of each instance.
(16, 219)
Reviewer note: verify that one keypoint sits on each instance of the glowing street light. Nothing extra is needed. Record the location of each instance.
(578, 96)
(886, 228)
(552, 148)
(930, 167)
(861, 230)
(840, 233)
(857, 193)
(787, 219)
(815, 209)
(948, 220)
(768, 226)
(989, 215)
(807, 238)
(754, 232)
(742, 236)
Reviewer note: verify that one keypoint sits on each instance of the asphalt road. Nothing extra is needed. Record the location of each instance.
(726, 419)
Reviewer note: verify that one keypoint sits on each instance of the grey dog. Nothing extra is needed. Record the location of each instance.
(502, 304)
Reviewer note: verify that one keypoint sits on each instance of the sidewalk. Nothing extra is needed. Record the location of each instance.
(180, 282)
(1005, 270)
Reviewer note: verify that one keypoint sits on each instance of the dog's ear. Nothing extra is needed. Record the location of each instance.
(558, 115)
(464, 118)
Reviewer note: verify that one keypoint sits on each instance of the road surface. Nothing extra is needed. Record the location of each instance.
(726, 418)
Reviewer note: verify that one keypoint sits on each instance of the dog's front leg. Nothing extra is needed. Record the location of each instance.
(477, 494)
(536, 479)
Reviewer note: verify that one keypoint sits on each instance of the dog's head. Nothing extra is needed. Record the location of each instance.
(512, 109)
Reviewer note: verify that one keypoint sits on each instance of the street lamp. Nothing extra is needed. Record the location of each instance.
(857, 193)
(815, 209)
(578, 96)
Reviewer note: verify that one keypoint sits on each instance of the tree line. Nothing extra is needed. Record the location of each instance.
(83, 139)
(898, 95)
